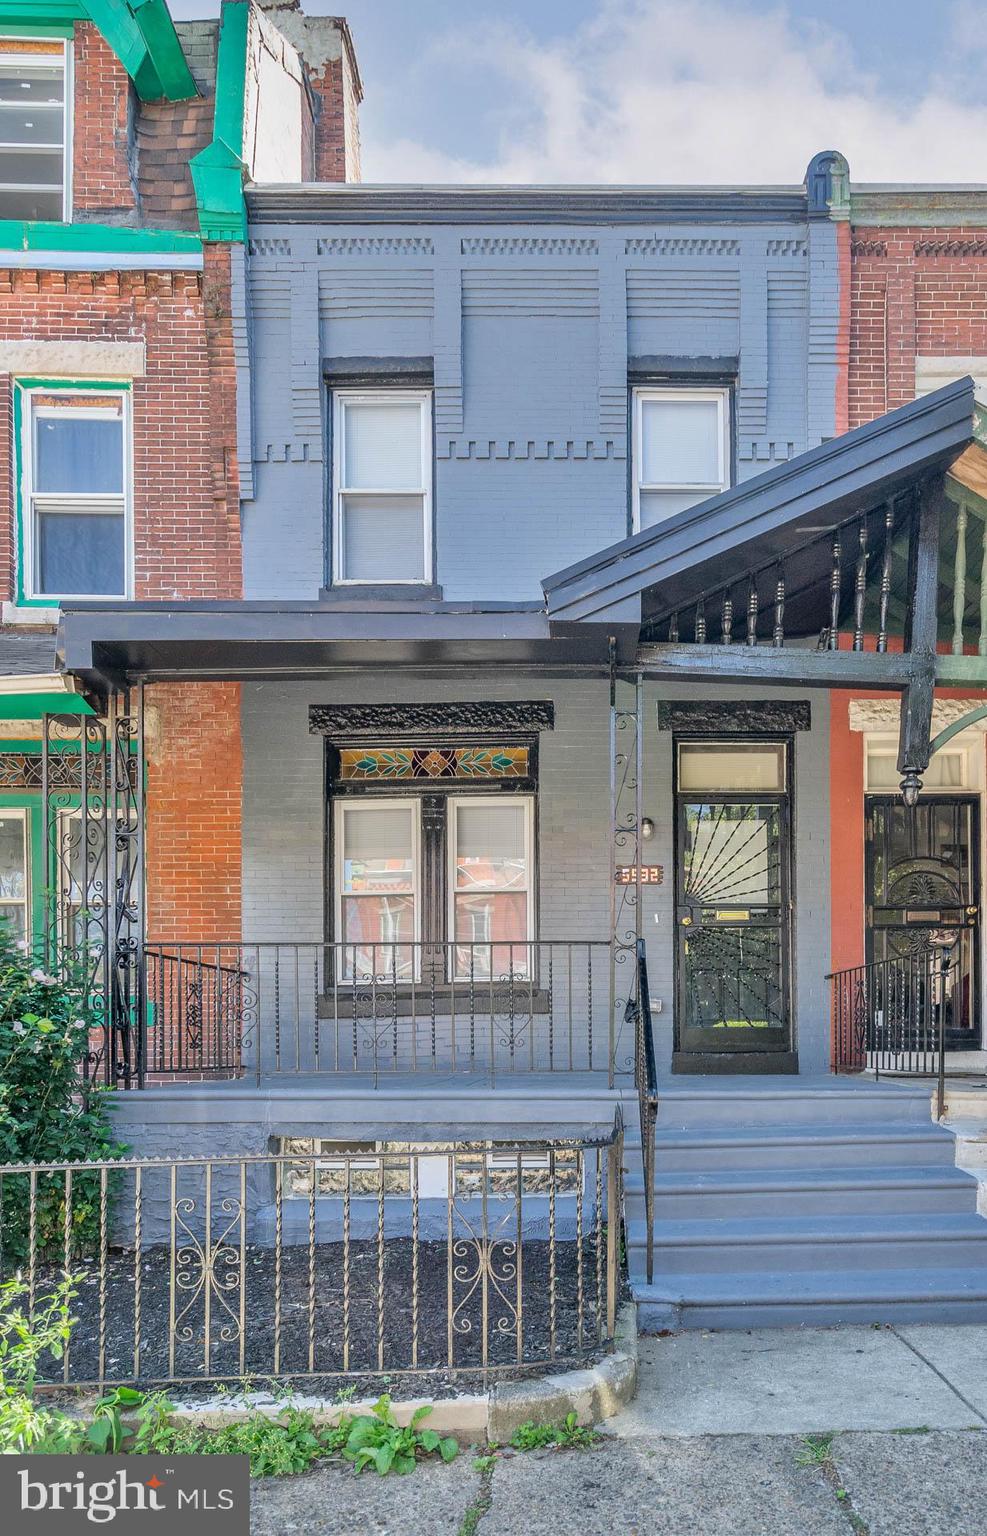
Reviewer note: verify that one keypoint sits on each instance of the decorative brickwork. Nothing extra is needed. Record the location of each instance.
(102, 184)
(915, 292)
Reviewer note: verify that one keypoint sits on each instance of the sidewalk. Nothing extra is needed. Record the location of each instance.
(816, 1432)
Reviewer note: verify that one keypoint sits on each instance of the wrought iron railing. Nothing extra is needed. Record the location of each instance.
(373, 1008)
(321, 1264)
(646, 1082)
(890, 1015)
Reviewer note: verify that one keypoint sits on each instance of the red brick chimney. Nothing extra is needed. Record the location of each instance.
(325, 47)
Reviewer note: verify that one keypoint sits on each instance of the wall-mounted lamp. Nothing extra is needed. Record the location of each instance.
(647, 828)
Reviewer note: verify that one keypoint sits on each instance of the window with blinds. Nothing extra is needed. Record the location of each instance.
(681, 450)
(382, 486)
(34, 134)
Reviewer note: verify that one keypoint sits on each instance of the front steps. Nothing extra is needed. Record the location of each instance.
(803, 1201)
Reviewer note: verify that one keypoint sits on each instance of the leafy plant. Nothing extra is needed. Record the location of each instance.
(24, 1424)
(107, 1432)
(376, 1440)
(45, 1021)
(537, 1437)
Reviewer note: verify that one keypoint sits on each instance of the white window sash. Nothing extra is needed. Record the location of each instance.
(721, 399)
(366, 803)
(71, 502)
(340, 400)
(527, 803)
(15, 60)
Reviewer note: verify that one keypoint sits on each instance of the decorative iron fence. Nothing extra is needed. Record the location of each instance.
(277, 1008)
(890, 1015)
(461, 1257)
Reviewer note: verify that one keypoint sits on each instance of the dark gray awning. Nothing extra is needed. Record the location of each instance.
(234, 640)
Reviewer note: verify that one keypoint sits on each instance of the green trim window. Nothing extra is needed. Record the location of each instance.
(35, 128)
(75, 524)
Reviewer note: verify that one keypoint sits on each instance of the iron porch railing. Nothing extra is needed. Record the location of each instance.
(646, 1082)
(222, 1009)
(889, 1016)
(455, 1257)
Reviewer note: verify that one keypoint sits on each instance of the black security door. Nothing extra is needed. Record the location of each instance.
(923, 873)
(733, 904)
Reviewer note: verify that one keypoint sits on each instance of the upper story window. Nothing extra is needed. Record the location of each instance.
(681, 450)
(76, 493)
(382, 486)
(34, 129)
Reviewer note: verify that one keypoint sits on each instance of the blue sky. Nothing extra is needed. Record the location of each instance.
(666, 90)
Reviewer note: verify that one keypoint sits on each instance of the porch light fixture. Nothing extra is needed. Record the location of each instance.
(647, 828)
(911, 786)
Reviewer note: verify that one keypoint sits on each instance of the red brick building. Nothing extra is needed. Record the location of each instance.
(122, 241)
(916, 314)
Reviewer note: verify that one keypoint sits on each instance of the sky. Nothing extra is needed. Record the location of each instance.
(660, 91)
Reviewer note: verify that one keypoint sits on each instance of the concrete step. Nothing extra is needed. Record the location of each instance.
(735, 1249)
(854, 1145)
(740, 1193)
(825, 1102)
(821, 1298)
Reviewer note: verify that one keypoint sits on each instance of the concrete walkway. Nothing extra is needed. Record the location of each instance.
(821, 1432)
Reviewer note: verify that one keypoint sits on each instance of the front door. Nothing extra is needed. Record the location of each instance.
(733, 906)
(923, 872)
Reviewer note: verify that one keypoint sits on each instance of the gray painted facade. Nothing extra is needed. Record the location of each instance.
(531, 335)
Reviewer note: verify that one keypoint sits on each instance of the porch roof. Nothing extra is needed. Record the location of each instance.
(110, 643)
(772, 514)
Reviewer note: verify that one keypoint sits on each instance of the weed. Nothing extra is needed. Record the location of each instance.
(919, 1429)
(537, 1437)
(378, 1440)
(816, 1450)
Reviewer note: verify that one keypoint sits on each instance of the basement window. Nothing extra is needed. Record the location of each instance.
(75, 492)
(34, 129)
(321, 1168)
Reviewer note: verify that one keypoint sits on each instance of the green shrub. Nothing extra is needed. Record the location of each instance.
(45, 1021)
(24, 1424)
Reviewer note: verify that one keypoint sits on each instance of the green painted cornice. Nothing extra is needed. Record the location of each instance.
(161, 41)
(140, 32)
(218, 170)
(118, 239)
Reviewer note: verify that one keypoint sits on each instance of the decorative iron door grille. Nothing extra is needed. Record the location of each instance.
(732, 896)
(923, 873)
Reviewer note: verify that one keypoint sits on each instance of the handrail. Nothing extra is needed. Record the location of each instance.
(890, 1015)
(646, 1079)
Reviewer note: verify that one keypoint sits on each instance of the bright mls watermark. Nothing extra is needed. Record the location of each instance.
(190, 1495)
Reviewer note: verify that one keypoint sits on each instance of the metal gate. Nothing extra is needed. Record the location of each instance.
(92, 789)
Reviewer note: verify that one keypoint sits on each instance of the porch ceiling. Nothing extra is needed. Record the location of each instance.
(772, 515)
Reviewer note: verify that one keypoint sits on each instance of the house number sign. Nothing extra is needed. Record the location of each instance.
(651, 874)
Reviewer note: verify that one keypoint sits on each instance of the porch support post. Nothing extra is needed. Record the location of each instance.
(915, 735)
(626, 780)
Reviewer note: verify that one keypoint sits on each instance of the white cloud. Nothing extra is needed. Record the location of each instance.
(696, 91)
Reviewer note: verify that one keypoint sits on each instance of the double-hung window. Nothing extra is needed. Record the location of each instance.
(394, 857)
(382, 486)
(76, 493)
(681, 450)
(34, 129)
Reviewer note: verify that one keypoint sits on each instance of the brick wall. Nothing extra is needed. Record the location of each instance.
(186, 490)
(194, 787)
(914, 291)
(101, 160)
(337, 141)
